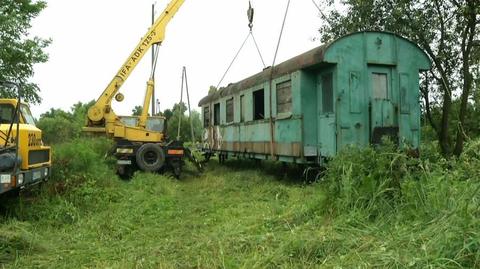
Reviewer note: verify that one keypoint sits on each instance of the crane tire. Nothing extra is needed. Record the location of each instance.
(150, 157)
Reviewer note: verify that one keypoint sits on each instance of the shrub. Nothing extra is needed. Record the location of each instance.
(367, 179)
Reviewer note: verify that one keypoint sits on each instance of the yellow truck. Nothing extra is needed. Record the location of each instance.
(24, 160)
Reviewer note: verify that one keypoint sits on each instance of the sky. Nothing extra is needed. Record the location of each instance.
(91, 39)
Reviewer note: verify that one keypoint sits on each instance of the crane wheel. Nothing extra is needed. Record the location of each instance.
(150, 157)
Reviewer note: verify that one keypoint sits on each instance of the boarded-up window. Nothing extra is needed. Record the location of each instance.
(242, 108)
(216, 114)
(258, 105)
(229, 110)
(379, 86)
(206, 116)
(284, 97)
(327, 93)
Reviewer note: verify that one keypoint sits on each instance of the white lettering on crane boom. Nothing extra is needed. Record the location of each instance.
(137, 55)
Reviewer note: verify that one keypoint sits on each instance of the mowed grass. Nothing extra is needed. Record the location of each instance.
(238, 215)
(223, 218)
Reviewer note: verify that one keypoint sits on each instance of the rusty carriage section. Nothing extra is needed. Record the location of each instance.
(356, 90)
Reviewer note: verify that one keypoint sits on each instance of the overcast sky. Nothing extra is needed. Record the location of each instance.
(91, 39)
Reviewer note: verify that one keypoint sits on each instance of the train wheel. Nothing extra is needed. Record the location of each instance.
(150, 157)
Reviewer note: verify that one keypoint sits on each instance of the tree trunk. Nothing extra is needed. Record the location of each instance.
(466, 46)
(443, 137)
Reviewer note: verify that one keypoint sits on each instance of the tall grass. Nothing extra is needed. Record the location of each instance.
(373, 208)
(429, 206)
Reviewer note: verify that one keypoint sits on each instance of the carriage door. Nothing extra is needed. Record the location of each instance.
(326, 115)
(382, 115)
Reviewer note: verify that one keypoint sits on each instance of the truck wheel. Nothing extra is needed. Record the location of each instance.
(150, 157)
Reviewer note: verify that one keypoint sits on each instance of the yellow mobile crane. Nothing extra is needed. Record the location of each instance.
(139, 141)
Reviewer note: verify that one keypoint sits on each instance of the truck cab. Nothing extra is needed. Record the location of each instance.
(24, 159)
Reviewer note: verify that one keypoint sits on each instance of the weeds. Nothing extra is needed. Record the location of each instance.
(374, 208)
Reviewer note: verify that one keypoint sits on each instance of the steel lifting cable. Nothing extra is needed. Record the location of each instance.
(250, 13)
(280, 38)
(272, 153)
(321, 13)
(234, 58)
(258, 50)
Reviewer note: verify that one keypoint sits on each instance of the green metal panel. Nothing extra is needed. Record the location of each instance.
(380, 48)
(288, 130)
(359, 55)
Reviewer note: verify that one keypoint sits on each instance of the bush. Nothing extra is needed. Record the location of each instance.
(58, 130)
(367, 179)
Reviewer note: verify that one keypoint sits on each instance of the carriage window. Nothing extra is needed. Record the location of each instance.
(216, 114)
(379, 84)
(327, 93)
(229, 110)
(206, 116)
(284, 97)
(258, 105)
(242, 108)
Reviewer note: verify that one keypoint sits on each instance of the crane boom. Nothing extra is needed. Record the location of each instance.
(101, 113)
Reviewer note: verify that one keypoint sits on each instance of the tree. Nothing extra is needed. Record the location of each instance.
(19, 52)
(60, 126)
(448, 31)
(137, 111)
(176, 115)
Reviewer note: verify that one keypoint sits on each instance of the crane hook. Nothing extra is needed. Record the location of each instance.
(250, 13)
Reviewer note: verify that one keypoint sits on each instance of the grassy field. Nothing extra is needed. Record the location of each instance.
(373, 209)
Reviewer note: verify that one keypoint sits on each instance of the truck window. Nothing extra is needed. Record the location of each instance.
(6, 113)
(27, 115)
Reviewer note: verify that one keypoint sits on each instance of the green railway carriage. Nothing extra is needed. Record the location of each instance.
(352, 91)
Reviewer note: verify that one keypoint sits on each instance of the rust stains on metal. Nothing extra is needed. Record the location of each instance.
(281, 149)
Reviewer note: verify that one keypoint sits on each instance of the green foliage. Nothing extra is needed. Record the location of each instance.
(137, 111)
(368, 180)
(80, 158)
(179, 112)
(430, 197)
(374, 208)
(18, 51)
(59, 126)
